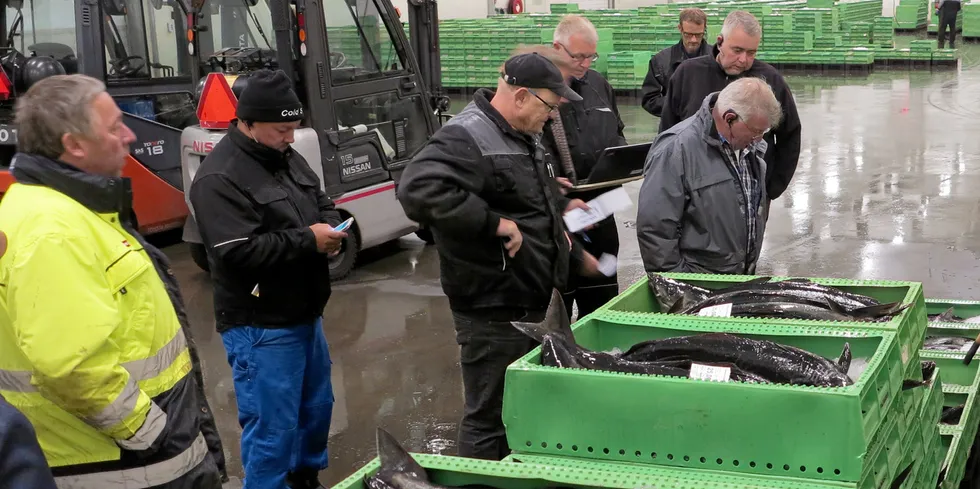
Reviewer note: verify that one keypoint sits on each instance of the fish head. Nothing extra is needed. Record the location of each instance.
(555, 321)
(667, 291)
(395, 460)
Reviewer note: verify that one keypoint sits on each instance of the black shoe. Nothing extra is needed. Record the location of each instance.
(304, 479)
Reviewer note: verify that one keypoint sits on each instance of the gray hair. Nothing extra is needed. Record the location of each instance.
(53, 107)
(749, 97)
(742, 20)
(573, 24)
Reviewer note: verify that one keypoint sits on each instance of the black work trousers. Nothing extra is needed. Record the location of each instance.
(590, 293)
(487, 345)
(947, 18)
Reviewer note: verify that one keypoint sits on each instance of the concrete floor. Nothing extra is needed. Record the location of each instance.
(886, 189)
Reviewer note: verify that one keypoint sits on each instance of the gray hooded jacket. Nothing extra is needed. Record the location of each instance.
(691, 214)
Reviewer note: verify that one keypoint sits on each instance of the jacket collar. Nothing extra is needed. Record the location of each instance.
(99, 194)
(679, 55)
(482, 100)
(271, 158)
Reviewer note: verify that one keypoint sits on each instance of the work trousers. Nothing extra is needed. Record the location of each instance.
(947, 18)
(591, 293)
(488, 343)
(285, 400)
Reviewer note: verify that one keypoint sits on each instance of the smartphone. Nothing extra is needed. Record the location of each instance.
(344, 225)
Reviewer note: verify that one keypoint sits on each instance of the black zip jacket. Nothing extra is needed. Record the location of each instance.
(474, 171)
(188, 413)
(254, 206)
(662, 66)
(697, 78)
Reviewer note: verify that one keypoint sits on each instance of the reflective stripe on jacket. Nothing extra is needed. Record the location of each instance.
(91, 349)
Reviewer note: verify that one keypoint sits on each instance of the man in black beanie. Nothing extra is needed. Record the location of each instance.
(268, 229)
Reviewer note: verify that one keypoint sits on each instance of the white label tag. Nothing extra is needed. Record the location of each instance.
(711, 373)
(905, 354)
(719, 311)
(607, 264)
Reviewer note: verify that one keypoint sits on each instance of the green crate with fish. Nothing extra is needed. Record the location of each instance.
(638, 388)
(748, 299)
(396, 468)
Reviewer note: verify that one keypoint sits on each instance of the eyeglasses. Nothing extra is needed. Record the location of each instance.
(580, 57)
(550, 106)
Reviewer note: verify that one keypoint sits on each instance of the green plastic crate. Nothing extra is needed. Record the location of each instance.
(956, 449)
(811, 432)
(909, 325)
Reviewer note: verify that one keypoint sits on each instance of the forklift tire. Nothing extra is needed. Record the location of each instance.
(200, 256)
(342, 264)
(425, 234)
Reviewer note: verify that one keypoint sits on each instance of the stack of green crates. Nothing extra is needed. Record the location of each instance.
(861, 436)
(564, 8)
(961, 384)
(627, 69)
(883, 32)
(912, 14)
(922, 49)
(971, 19)
(859, 11)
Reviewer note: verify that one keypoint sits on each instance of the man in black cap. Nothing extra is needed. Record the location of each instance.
(495, 210)
(268, 228)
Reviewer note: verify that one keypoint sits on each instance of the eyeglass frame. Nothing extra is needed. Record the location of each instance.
(580, 57)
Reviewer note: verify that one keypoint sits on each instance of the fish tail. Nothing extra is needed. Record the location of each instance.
(844, 362)
(555, 321)
(901, 478)
(878, 310)
(947, 316)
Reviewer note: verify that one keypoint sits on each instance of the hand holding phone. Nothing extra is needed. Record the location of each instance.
(344, 225)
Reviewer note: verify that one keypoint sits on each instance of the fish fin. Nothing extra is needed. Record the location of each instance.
(835, 307)
(947, 316)
(555, 321)
(912, 384)
(680, 304)
(844, 362)
(395, 458)
(756, 281)
(902, 477)
(879, 310)
(797, 280)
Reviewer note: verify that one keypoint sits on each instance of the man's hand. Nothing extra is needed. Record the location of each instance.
(327, 240)
(565, 184)
(590, 266)
(576, 204)
(507, 229)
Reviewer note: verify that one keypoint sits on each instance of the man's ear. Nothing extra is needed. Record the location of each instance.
(520, 97)
(72, 145)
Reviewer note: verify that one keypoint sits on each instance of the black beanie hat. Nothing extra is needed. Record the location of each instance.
(269, 97)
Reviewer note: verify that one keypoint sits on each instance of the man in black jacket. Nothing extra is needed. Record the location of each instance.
(733, 58)
(590, 126)
(496, 214)
(692, 25)
(268, 228)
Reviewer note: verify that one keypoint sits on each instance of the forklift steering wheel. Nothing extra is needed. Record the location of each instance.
(124, 67)
(340, 58)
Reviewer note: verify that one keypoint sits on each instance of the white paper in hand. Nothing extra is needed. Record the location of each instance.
(600, 208)
(710, 372)
(607, 264)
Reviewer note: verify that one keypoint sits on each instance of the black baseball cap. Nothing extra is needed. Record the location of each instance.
(535, 71)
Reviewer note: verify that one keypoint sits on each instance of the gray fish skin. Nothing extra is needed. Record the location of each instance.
(398, 469)
(773, 361)
(947, 316)
(947, 343)
(668, 291)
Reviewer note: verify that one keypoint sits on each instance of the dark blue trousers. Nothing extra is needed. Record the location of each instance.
(285, 400)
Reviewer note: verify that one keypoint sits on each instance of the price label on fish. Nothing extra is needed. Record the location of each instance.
(710, 372)
(719, 311)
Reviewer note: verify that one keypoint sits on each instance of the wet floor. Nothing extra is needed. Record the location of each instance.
(887, 188)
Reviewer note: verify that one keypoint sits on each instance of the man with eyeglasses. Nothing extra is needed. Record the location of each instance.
(480, 183)
(589, 125)
(701, 207)
(733, 58)
(692, 25)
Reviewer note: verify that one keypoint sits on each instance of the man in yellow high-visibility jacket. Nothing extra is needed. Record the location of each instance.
(91, 347)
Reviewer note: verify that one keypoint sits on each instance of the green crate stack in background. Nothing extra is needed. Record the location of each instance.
(564, 8)
(626, 69)
(912, 14)
(922, 49)
(970, 14)
(883, 32)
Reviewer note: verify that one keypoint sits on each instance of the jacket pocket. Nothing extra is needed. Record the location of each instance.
(503, 176)
(702, 182)
(124, 269)
(267, 195)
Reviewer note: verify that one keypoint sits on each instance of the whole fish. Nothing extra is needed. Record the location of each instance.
(559, 349)
(772, 361)
(947, 343)
(947, 316)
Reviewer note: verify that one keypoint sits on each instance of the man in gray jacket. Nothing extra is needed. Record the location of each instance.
(702, 202)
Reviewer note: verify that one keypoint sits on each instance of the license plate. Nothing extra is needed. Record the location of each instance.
(8, 135)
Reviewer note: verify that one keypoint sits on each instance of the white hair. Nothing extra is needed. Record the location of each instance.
(749, 97)
(53, 107)
(743, 21)
(574, 24)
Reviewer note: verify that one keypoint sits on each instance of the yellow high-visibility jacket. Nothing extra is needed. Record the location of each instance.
(91, 349)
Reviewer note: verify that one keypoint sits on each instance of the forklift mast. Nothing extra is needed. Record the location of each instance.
(423, 24)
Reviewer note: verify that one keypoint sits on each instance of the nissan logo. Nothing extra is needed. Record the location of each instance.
(292, 113)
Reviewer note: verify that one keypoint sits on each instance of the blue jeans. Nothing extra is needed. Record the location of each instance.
(285, 400)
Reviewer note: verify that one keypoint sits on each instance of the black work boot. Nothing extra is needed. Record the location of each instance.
(304, 479)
